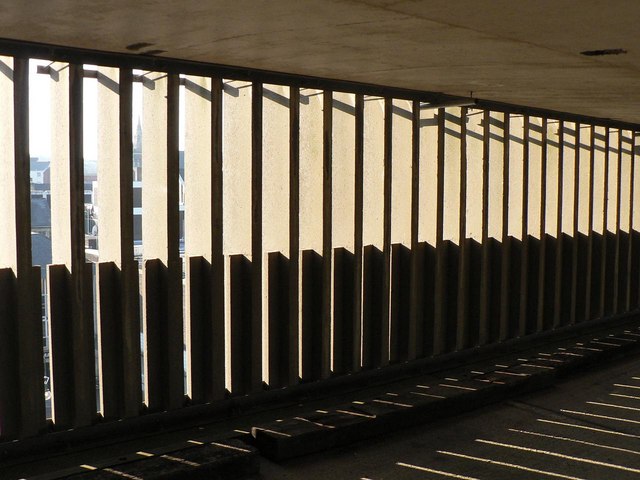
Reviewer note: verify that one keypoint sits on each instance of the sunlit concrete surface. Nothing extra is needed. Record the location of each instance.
(585, 428)
(519, 52)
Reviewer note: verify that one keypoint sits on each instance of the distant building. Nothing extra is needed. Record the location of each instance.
(41, 256)
(40, 216)
(40, 251)
(92, 210)
(39, 171)
(90, 173)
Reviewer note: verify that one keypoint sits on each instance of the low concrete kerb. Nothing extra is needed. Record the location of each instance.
(442, 395)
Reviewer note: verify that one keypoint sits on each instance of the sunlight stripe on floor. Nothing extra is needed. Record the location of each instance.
(622, 385)
(586, 427)
(437, 472)
(573, 440)
(604, 417)
(632, 397)
(118, 473)
(609, 344)
(231, 447)
(180, 460)
(510, 465)
(613, 405)
(559, 455)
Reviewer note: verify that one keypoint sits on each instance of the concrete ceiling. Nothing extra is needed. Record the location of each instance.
(511, 51)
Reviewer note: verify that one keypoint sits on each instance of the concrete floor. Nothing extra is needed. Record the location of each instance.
(585, 428)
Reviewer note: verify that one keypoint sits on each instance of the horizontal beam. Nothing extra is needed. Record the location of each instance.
(186, 67)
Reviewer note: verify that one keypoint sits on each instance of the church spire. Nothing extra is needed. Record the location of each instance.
(137, 145)
(137, 152)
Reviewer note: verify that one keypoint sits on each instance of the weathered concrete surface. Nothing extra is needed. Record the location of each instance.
(572, 430)
(422, 446)
(520, 52)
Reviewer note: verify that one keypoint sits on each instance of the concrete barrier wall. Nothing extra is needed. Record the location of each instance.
(324, 233)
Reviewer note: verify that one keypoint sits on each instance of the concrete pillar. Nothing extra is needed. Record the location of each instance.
(518, 221)
(534, 244)
(400, 230)
(496, 213)
(236, 118)
(401, 173)
(373, 190)
(635, 182)
(343, 163)
(622, 295)
(373, 233)
(450, 227)
(452, 219)
(343, 170)
(8, 219)
(117, 280)
(475, 180)
(493, 225)
(535, 215)
(162, 297)
(70, 287)
(472, 228)
(198, 168)
(516, 172)
(311, 218)
(625, 191)
(598, 241)
(427, 230)
(275, 193)
(599, 177)
(67, 192)
(612, 187)
(568, 176)
(204, 207)
(549, 273)
(311, 170)
(552, 195)
(115, 222)
(584, 180)
(275, 142)
(634, 293)
(428, 176)
(22, 410)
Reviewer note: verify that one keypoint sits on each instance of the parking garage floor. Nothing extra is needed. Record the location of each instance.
(586, 427)
(583, 424)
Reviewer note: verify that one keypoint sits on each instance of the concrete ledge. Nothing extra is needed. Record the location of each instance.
(448, 393)
(105, 432)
